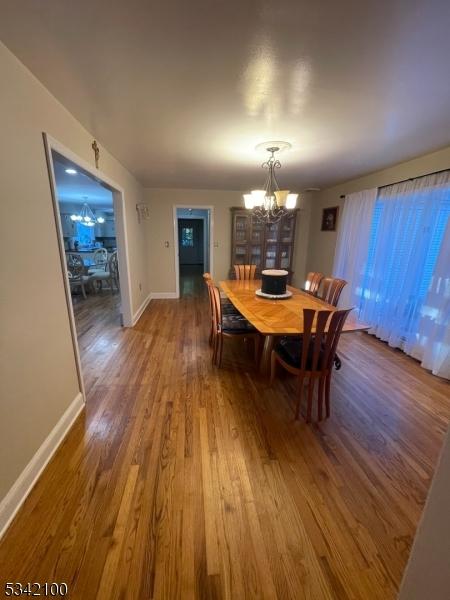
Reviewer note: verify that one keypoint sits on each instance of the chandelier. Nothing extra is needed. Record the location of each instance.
(270, 204)
(86, 217)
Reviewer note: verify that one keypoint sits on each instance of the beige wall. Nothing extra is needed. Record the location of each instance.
(162, 259)
(38, 375)
(427, 574)
(322, 243)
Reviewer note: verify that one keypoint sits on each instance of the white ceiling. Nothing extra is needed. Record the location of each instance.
(180, 91)
(79, 188)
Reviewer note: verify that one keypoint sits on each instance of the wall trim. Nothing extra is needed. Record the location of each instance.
(164, 295)
(18, 493)
(137, 315)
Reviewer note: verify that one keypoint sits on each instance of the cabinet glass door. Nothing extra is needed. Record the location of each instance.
(287, 230)
(240, 254)
(241, 229)
(257, 233)
(256, 251)
(285, 256)
(270, 256)
(272, 232)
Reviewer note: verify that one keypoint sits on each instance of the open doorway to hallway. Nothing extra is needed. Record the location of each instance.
(193, 232)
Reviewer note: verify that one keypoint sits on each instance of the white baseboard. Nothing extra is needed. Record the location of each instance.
(140, 310)
(164, 295)
(26, 480)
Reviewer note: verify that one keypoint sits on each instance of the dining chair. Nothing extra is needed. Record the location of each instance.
(331, 290)
(227, 306)
(229, 326)
(113, 264)
(209, 284)
(77, 273)
(312, 282)
(246, 272)
(310, 357)
(109, 273)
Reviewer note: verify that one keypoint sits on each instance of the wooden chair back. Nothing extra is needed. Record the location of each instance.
(313, 281)
(246, 272)
(331, 290)
(216, 306)
(319, 343)
(207, 276)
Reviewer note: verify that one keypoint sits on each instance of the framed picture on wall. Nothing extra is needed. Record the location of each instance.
(329, 218)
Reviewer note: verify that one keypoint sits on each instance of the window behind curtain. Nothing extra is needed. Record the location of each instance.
(405, 238)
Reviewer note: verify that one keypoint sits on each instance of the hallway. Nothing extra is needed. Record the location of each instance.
(181, 480)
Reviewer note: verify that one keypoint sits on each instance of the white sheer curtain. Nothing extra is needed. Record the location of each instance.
(431, 344)
(352, 244)
(406, 235)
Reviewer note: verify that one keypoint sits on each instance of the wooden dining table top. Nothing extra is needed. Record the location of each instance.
(278, 317)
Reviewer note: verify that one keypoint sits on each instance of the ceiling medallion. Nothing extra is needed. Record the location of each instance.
(270, 204)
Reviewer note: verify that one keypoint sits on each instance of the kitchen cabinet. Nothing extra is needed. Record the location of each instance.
(69, 227)
(106, 229)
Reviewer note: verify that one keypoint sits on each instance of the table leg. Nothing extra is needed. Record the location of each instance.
(264, 366)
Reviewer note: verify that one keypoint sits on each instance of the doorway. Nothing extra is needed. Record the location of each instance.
(192, 229)
(90, 223)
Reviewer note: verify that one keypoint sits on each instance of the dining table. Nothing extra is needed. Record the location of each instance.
(277, 317)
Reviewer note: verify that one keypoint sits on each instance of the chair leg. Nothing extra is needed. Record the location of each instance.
(327, 394)
(311, 384)
(83, 291)
(256, 341)
(320, 399)
(220, 349)
(299, 398)
(273, 367)
(214, 347)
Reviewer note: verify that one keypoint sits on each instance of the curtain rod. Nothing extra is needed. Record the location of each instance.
(409, 179)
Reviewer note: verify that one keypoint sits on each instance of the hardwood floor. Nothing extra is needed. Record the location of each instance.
(181, 480)
(97, 321)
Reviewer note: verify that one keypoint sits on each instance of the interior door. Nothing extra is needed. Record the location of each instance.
(190, 241)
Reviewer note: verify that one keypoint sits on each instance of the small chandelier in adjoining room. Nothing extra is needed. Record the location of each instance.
(86, 217)
(270, 204)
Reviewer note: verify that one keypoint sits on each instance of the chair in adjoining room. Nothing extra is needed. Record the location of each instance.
(228, 326)
(109, 273)
(77, 273)
(245, 272)
(113, 264)
(312, 282)
(100, 256)
(311, 356)
(331, 290)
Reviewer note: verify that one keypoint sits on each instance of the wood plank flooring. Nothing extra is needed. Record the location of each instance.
(181, 480)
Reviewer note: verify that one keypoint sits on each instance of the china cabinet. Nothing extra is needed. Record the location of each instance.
(268, 246)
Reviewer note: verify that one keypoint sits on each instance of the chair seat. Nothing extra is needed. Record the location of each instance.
(290, 350)
(228, 308)
(101, 275)
(79, 280)
(96, 270)
(236, 323)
